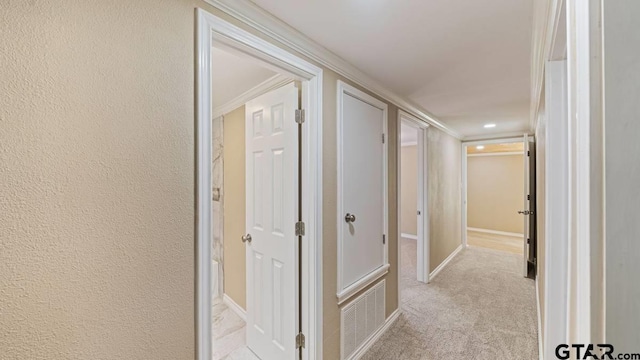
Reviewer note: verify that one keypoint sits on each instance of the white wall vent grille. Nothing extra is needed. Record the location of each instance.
(361, 318)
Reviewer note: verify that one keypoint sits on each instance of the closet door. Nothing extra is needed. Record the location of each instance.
(362, 195)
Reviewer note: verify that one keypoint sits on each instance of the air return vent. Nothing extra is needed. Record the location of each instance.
(360, 319)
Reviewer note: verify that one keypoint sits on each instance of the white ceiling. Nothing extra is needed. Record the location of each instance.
(239, 75)
(466, 62)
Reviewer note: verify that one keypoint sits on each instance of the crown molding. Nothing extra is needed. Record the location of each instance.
(505, 153)
(269, 25)
(264, 87)
(494, 136)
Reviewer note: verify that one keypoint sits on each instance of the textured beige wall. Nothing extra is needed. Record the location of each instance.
(409, 190)
(331, 324)
(97, 173)
(444, 174)
(235, 271)
(97, 147)
(495, 192)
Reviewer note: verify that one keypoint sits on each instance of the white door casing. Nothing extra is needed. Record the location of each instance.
(362, 190)
(271, 205)
(529, 205)
(526, 206)
(214, 29)
(422, 246)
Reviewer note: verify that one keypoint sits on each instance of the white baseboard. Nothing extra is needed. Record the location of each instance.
(505, 233)
(376, 336)
(446, 261)
(540, 340)
(242, 313)
(409, 236)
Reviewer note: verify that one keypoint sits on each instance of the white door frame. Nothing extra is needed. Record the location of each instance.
(210, 29)
(423, 243)
(466, 144)
(557, 190)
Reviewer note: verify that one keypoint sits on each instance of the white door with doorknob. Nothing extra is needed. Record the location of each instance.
(271, 208)
(362, 181)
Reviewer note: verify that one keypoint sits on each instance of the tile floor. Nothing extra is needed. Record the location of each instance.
(229, 334)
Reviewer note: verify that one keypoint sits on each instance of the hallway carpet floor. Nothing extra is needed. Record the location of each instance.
(479, 307)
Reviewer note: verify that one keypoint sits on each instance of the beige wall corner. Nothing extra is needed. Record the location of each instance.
(445, 215)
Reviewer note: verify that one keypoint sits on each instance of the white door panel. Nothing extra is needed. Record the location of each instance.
(271, 186)
(362, 182)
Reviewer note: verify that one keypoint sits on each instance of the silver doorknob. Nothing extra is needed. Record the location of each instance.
(350, 218)
(246, 238)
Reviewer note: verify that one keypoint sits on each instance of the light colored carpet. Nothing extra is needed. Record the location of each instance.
(478, 307)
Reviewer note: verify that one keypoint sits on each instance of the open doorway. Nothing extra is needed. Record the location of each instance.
(250, 103)
(499, 197)
(259, 111)
(413, 241)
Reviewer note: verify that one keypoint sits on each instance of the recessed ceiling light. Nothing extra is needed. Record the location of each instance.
(487, 126)
(480, 147)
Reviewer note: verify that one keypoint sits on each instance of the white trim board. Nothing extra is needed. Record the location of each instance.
(540, 342)
(242, 313)
(506, 153)
(508, 140)
(446, 262)
(409, 236)
(409, 143)
(346, 291)
(422, 237)
(267, 24)
(496, 232)
(264, 87)
(365, 281)
(210, 29)
(557, 207)
(376, 336)
(495, 136)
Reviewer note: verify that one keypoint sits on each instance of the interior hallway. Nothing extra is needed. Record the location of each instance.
(478, 307)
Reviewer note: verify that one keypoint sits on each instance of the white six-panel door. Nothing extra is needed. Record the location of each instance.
(271, 207)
